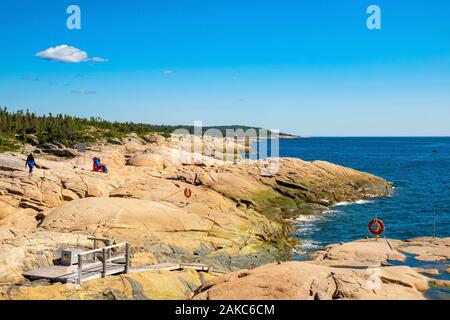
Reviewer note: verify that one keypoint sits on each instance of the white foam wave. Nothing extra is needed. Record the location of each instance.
(331, 211)
(305, 218)
(306, 229)
(344, 203)
(307, 246)
(348, 203)
(364, 201)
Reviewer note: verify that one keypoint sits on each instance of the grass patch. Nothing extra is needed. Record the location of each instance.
(9, 143)
(277, 206)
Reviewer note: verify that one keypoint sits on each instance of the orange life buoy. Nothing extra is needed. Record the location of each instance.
(187, 193)
(379, 227)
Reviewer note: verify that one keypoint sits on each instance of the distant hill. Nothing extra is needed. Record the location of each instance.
(235, 127)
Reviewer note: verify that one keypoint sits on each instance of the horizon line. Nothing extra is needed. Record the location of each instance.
(375, 136)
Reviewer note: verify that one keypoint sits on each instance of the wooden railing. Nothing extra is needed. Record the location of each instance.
(106, 258)
(97, 240)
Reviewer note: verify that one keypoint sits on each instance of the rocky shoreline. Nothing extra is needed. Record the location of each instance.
(237, 218)
(359, 270)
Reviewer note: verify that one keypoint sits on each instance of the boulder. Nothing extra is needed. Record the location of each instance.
(48, 146)
(133, 220)
(308, 281)
(367, 252)
(154, 138)
(69, 195)
(32, 139)
(441, 284)
(23, 219)
(57, 149)
(426, 248)
(9, 162)
(431, 272)
(115, 141)
(63, 153)
(150, 160)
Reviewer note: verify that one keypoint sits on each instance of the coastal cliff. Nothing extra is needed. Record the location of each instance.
(237, 218)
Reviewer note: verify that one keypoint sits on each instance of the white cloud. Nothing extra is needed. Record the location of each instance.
(97, 59)
(83, 91)
(34, 78)
(168, 71)
(68, 54)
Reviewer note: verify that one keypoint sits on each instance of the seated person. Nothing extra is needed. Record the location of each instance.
(98, 166)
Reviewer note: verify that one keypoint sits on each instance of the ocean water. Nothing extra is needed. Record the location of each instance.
(420, 205)
(418, 167)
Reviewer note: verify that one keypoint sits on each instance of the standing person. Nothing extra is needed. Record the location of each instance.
(31, 163)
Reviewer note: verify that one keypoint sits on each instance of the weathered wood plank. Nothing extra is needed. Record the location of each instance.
(52, 272)
(71, 274)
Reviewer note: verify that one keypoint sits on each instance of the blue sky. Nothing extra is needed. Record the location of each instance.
(305, 67)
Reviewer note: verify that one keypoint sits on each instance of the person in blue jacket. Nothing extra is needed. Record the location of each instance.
(30, 163)
(97, 163)
(98, 166)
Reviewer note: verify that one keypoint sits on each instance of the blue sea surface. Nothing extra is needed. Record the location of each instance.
(418, 167)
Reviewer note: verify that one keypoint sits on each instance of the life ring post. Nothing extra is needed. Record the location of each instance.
(376, 227)
(187, 193)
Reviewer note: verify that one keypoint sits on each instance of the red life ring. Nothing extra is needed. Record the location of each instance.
(187, 193)
(379, 227)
